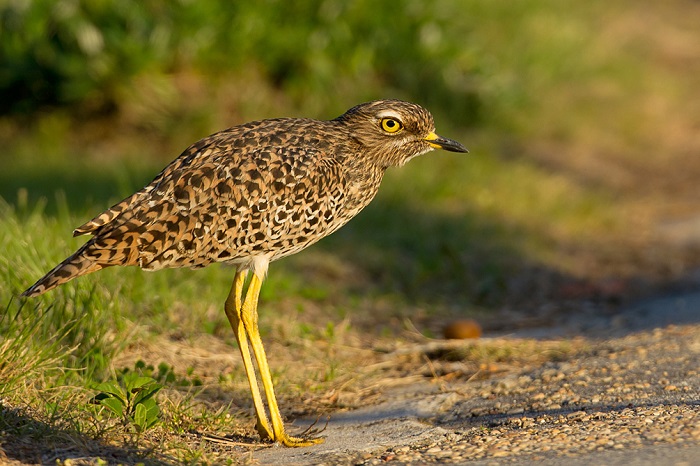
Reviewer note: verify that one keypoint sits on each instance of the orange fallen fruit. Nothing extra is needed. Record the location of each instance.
(462, 329)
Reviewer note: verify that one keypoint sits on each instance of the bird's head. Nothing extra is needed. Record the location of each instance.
(392, 132)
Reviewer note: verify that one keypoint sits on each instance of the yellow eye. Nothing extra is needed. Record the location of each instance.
(391, 125)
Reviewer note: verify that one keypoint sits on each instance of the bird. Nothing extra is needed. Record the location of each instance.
(247, 196)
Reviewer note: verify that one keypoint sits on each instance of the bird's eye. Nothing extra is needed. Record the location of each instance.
(390, 125)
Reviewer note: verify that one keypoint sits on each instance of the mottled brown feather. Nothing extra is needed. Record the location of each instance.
(267, 188)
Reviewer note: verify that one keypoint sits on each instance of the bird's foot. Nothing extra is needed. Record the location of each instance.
(308, 437)
(296, 442)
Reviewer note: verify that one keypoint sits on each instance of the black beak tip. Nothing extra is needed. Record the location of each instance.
(450, 145)
(461, 148)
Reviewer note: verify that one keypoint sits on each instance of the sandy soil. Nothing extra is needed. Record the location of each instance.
(629, 394)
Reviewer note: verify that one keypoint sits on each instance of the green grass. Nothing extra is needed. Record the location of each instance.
(570, 112)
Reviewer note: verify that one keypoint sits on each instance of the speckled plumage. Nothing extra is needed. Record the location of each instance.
(267, 188)
(249, 195)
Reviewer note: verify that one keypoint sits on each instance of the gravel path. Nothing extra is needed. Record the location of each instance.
(630, 395)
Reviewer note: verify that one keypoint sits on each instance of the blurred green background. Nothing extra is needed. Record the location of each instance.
(583, 121)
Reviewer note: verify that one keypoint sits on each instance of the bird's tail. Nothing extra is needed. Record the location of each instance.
(76, 265)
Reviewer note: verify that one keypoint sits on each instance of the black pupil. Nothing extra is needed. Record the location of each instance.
(390, 123)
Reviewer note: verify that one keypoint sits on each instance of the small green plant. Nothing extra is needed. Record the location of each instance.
(132, 400)
(165, 374)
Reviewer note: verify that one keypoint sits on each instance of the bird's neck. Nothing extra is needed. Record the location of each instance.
(363, 184)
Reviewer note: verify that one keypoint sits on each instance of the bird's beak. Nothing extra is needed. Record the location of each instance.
(438, 142)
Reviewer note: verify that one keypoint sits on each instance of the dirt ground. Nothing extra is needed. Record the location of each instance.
(629, 393)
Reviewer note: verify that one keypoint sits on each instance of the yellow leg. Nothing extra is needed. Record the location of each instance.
(233, 309)
(249, 316)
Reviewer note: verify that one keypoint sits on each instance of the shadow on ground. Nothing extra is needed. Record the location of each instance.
(27, 440)
(85, 189)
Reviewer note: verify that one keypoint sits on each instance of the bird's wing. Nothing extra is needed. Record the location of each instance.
(216, 201)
